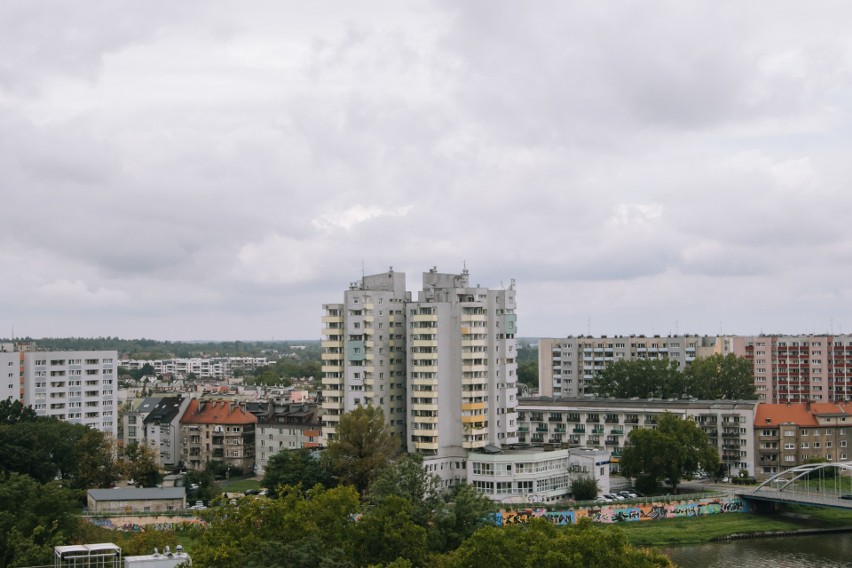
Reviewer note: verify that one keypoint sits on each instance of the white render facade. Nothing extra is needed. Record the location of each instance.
(11, 364)
(606, 423)
(536, 474)
(462, 368)
(442, 367)
(80, 387)
(363, 341)
(568, 365)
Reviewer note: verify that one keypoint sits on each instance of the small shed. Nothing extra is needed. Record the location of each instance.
(136, 500)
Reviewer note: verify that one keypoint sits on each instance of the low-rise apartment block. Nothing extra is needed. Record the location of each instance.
(217, 431)
(287, 426)
(606, 423)
(792, 434)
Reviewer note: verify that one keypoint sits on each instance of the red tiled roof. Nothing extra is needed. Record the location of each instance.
(216, 412)
(797, 413)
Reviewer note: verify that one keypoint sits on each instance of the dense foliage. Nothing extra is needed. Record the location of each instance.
(676, 449)
(362, 447)
(716, 377)
(584, 488)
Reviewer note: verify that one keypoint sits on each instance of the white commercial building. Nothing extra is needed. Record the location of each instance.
(535, 474)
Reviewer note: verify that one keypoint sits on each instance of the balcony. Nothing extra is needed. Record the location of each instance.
(579, 430)
(597, 430)
(617, 431)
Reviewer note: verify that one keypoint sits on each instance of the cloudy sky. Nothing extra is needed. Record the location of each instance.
(219, 170)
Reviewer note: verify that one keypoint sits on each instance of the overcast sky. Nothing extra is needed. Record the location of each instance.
(219, 170)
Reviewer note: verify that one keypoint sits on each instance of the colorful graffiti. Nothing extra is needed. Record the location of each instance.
(128, 526)
(622, 514)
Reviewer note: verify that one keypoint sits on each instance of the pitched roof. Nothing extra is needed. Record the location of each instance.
(216, 412)
(165, 411)
(798, 413)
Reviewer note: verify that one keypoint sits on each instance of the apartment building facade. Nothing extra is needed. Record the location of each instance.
(11, 373)
(606, 423)
(442, 367)
(363, 342)
(80, 387)
(220, 431)
(201, 367)
(798, 368)
(792, 434)
(162, 429)
(287, 426)
(568, 366)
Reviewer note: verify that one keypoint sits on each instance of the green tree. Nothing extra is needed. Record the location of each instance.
(362, 447)
(721, 377)
(462, 512)
(407, 478)
(388, 532)
(33, 519)
(141, 464)
(676, 449)
(12, 412)
(540, 543)
(292, 467)
(584, 488)
(298, 522)
(642, 378)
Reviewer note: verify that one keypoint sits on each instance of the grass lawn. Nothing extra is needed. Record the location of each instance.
(239, 485)
(695, 531)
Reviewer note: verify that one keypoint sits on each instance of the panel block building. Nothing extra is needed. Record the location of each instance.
(567, 366)
(442, 366)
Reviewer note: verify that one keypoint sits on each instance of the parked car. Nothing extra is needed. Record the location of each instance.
(604, 499)
(614, 497)
(628, 494)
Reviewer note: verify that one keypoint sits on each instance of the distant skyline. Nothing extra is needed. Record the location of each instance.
(196, 170)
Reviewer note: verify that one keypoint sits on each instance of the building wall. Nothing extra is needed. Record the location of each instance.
(536, 475)
(568, 366)
(607, 423)
(80, 387)
(10, 376)
(798, 368)
(273, 438)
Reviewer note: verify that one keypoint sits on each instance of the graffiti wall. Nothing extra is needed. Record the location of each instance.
(137, 524)
(614, 513)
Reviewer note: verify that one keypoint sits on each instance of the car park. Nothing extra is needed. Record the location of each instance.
(614, 497)
(627, 494)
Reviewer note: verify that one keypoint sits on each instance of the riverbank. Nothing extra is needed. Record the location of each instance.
(674, 532)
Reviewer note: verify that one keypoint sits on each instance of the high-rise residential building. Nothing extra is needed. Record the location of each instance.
(568, 366)
(11, 373)
(80, 387)
(462, 368)
(798, 368)
(442, 367)
(363, 341)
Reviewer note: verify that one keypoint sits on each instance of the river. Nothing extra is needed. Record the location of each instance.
(823, 551)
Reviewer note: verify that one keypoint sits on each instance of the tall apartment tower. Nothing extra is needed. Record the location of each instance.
(462, 369)
(363, 341)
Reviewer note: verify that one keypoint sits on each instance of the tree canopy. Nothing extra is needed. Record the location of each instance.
(362, 447)
(642, 378)
(721, 377)
(540, 543)
(294, 467)
(677, 448)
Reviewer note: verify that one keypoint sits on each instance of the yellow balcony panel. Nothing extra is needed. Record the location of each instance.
(421, 317)
(478, 419)
(426, 445)
(332, 405)
(424, 343)
(433, 407)
(327, 343)
(424, 382)
(332, 368)
(332, 356)
(332, 319)
(473, 405)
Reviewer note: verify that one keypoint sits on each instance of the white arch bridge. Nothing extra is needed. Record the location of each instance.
(819, 484)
